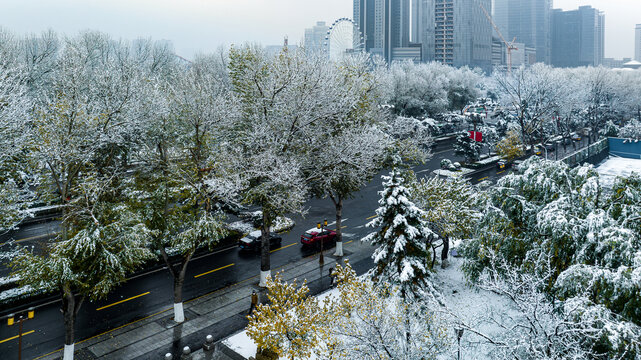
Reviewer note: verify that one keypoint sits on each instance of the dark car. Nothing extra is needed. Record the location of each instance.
(315, 236)
(576, 137)
(251, 242)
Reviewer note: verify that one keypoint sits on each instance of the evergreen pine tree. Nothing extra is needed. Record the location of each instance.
(402, 256)
(467, 147)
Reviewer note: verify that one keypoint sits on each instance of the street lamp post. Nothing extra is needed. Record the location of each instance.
(21, 318)
(321, 226)
(459, 335)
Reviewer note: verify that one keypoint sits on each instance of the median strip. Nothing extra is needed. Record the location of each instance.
(15, 337)
(122, 301)
(211, 271)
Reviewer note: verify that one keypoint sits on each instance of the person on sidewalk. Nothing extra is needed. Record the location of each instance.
(254, 303)
(332, 277)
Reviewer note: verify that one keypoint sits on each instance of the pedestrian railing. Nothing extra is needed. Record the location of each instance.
(592, 154)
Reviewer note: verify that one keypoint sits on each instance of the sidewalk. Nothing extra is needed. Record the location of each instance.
(220, 313)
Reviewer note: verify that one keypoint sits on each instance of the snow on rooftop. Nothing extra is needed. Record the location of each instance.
(613, 167)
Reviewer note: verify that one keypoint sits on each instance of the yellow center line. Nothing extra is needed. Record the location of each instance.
(500, 172)
(343, 227)
(371, 217)
(15, 337)
(36, 237)
(211, 271)
(483, 178)
(284, 247)
(122, 301)
(348, 242)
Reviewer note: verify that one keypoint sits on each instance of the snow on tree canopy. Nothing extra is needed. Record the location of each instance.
(402, 239)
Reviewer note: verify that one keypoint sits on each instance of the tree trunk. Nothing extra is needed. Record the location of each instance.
(69, 311)
(179, 281)
(265, 264)
(445, 251)
(339, 221)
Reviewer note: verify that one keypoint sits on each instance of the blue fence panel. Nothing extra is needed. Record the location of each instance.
(625, 149)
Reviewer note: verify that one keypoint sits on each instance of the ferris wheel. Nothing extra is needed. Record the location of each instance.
(343, 37)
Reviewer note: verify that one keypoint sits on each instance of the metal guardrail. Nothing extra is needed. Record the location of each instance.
(592, 154)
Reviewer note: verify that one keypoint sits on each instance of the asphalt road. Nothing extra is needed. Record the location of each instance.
(150, 293)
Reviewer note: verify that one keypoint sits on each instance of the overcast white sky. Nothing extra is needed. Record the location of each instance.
(202, 25)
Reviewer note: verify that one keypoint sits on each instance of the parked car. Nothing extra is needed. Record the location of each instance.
(251, 242)
(537, 150)
(576, 137)
(315, 236)
(549, 146)
(516, 165)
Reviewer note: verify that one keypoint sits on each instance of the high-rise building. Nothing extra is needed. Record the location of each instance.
(315, 37)
(528, 21)
(455, 32)
(578, 37)
(384, 24)
(637, 43)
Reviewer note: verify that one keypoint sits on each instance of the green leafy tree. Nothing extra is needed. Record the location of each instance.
(510, 147)
(291, 324)
(105, 243)
(177, 184)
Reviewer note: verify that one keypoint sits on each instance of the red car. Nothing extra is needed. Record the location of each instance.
(315, 236)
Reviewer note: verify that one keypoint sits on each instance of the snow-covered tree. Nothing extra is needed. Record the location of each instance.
(531, 93)
(284, 103)
(179, 154)
(104, 244)
(429, 89)
(15, 164)
(631, 131)
(369, 322)
(449, 209)
(345, 165)
(468, 147)
(402, 239)
(599, 97)
(558, 224)
(412, 138)
(351, 147)
(491, 137)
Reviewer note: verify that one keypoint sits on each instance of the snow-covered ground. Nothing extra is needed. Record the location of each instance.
(471, 305)
(613, 167)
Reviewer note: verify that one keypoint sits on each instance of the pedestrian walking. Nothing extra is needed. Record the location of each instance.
(332, 277)
(254, 302)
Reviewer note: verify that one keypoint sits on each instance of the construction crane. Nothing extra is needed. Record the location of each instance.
(509, 45)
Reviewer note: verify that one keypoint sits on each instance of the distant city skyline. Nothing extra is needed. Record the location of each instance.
(203, 25)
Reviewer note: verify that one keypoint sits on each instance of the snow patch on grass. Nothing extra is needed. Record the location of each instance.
(612, 168)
